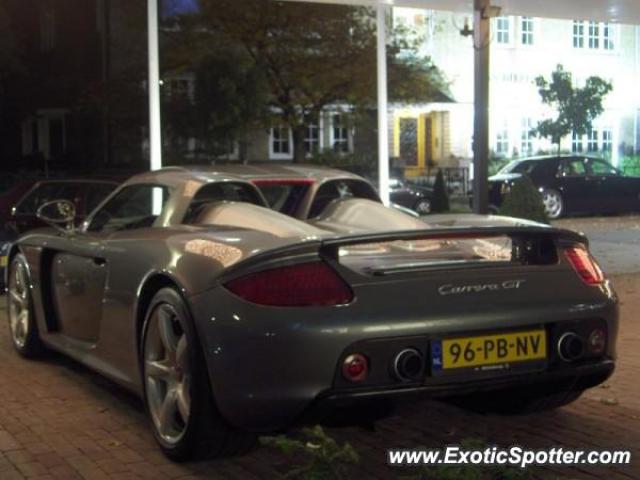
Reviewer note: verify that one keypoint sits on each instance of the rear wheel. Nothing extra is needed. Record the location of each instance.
(178, 396)
(22, 322)
(517, 402)
(553, 204)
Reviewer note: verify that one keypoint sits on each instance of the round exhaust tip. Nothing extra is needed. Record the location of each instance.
(570, 347)
(408, 365)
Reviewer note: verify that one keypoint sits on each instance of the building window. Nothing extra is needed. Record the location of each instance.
(312, 137)
(502, 142)
(592, 141)
(47, 28)
(281, 142)
(503, 30)
(526, 137)
(607, 37)
(594, 35)
(578, 34)
(576, 144)
(526, 25)
(340, 135)
(607, 140)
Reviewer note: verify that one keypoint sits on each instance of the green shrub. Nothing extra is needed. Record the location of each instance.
(524, 201)
(440, 200)
(631, 166)
(321, 458)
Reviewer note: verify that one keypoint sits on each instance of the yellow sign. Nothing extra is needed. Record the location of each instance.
(494, 349)
(3, 262)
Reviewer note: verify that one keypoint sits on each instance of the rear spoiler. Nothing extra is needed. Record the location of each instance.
(522, 238)
(456, 233)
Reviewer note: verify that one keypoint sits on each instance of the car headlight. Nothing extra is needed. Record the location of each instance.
(505, 189)
(4, 248)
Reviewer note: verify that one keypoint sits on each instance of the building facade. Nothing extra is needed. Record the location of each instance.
(523, 48)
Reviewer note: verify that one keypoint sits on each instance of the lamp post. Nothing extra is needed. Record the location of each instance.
(483, 11)
(155, 128)
(383, 115)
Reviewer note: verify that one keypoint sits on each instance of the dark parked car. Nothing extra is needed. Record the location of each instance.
(9, 198)
(571, 185)
(410, 196)
(228, 317)
(85, 194)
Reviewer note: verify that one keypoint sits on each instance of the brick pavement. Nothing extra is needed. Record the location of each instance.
(60, 421)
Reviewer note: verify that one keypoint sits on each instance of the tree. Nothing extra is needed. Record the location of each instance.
(10, 52)
(576, 107)
(440, 201)
(314, 56)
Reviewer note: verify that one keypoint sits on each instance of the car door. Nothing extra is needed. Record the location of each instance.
(614, 192)
(575, 186)
(78, 275)
(79, 272)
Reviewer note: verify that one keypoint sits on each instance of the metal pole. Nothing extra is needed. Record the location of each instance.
(155, 129)
(482, 41)
(383, 120)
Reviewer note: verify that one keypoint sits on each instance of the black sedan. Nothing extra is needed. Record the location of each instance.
(571, 185)
(412, 197)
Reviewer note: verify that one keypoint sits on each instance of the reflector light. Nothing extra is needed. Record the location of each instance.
(355, 368)
(306, 284)
(585, 265)
(597, 342)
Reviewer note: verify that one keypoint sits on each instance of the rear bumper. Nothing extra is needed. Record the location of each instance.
(269, 367)
(569, 379)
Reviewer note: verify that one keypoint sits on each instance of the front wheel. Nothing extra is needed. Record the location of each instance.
(177, 391)
(423, 206)
(22, 321)
(553, 204)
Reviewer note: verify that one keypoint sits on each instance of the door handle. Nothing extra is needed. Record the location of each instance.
(100, 262)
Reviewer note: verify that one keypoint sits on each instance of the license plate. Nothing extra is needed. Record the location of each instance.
(491, 350)
(3, 262)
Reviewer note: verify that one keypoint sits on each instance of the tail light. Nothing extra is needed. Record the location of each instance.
(585, 265)
(305, 284)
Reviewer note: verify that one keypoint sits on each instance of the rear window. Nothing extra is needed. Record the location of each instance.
(285, 197)
(222, 192)
(341, 189)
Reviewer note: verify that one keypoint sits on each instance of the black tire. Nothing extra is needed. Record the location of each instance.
(517, 402)
(24, 333)
(423, 206)
(206, 434)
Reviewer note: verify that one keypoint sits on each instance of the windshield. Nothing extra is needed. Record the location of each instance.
(519, 166)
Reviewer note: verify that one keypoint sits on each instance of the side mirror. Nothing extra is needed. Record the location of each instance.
(60, 214)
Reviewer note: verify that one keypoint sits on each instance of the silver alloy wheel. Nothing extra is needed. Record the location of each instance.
(167, 374)
(553, 204)
(19, 305)
(423, 207)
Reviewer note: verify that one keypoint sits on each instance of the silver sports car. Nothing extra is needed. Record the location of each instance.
(230, 318)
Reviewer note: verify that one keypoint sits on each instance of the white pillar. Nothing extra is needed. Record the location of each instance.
(155, 129)
(383, 107)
